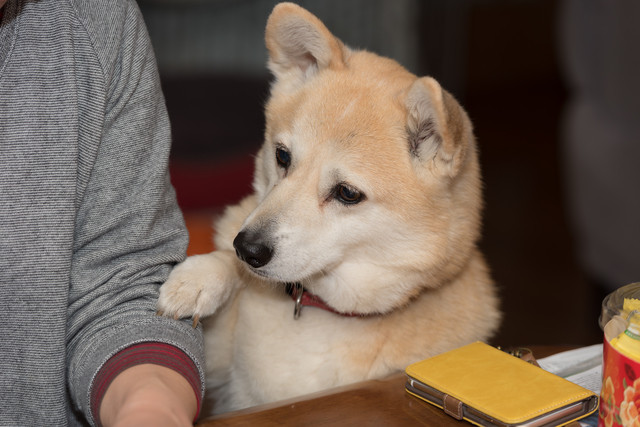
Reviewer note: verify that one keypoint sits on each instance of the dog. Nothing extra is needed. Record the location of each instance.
(356, 254)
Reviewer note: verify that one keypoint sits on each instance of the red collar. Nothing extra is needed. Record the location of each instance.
(302, 297)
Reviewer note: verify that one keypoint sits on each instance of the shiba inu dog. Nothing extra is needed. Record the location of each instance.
(356, 255)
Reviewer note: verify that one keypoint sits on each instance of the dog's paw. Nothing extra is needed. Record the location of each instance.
(197, 287)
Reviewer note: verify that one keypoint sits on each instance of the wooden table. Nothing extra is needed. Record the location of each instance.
(370, 403)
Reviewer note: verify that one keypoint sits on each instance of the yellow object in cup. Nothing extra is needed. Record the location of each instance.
(628, 342)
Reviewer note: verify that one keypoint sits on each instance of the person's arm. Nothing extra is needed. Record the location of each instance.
(149, 395)
(146, 380)
(129, 230)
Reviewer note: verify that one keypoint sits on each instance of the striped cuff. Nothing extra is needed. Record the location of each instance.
(148, 352)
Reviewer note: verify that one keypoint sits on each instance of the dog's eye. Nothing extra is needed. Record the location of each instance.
(348, 195)
(283, 157)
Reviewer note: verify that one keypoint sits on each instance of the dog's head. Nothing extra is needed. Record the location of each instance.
(368, 180)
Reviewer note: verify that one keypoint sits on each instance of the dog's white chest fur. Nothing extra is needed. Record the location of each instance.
(275, 356)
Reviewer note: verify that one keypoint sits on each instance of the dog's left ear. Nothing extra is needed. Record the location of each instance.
(439, 129)
(300, 45)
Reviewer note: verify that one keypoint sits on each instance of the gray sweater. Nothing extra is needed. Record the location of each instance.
(89, 226)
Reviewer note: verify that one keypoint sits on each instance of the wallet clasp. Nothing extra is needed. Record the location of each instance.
(452, 407)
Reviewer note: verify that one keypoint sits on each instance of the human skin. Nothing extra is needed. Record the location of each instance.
(148, 395)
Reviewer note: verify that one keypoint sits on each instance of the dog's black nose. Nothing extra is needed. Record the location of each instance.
(250, 250)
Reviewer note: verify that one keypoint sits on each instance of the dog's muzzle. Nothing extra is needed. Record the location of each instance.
(251, 249)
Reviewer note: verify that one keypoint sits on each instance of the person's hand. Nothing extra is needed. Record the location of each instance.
(148, 395)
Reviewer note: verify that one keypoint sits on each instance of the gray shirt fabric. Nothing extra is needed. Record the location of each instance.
(89, 225)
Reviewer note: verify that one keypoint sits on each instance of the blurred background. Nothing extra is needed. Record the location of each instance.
(521, 68)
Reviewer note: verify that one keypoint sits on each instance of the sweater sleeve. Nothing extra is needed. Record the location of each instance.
(129, 230)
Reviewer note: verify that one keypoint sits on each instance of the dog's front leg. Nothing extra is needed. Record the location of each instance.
(198, 286)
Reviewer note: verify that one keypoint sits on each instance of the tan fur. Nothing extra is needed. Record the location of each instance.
(405, 256)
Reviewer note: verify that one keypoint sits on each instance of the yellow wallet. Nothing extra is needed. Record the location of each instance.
(489, 387)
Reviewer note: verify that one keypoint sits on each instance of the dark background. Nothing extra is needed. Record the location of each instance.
(498, 57)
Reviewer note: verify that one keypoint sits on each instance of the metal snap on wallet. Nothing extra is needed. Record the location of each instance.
(488, 387)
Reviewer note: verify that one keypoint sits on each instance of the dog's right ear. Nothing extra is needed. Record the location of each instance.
(300, 45)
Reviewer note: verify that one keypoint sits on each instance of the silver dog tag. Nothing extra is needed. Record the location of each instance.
(298, 306)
